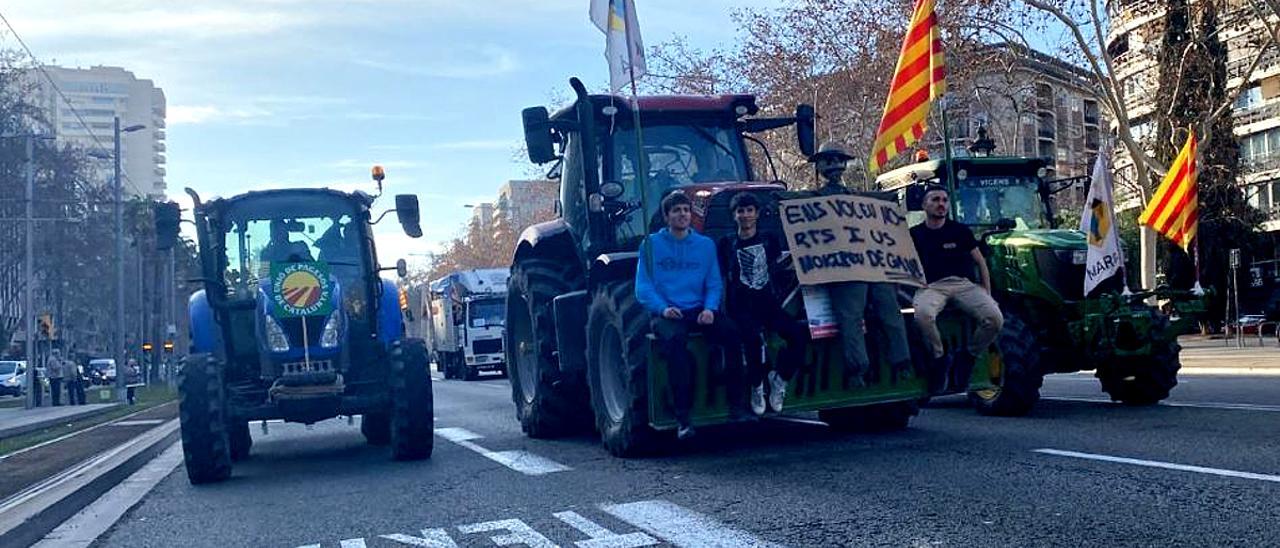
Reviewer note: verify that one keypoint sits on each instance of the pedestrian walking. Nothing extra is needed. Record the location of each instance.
(132, 379)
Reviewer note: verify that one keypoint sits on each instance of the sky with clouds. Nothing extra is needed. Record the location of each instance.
(274, 93)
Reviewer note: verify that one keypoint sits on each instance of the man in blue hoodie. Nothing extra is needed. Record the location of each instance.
(678, 282)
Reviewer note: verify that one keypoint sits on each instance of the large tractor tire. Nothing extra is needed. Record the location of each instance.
(617, 370)
(206, 447)
(881, 417)
(1017, 389)
(376, 428)
(240, 439)
(548, 403)
(1144, 381)
(412, 404)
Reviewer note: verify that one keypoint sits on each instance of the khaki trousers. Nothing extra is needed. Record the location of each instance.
(971, 299)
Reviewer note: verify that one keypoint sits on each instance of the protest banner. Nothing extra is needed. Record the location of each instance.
(848, 238)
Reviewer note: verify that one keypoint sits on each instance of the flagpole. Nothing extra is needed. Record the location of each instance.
(946, 156)
(642, 161)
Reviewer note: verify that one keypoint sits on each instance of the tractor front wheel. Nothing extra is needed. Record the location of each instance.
(617, 369)
(240, 439)
(412, 405)
(1143, 381)
(376, 428)
(206, 447)
(548, 402)
(1018, 380)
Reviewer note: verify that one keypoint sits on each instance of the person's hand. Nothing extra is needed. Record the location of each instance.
(672, 313)
(707, 317)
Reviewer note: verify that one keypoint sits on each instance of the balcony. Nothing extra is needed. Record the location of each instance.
(159, 147)
(158, 159)
(157, 122)
(1253, 115)
(160, 171)
(1260, 163)
(160, 134)
(1236, 67)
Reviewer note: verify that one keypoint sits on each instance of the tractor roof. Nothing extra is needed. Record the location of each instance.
(724, 106)
(358, 197)
(931, 169)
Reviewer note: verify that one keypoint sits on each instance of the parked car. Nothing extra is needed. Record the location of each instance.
(102, 371)
(1251, 324)
(11, 380)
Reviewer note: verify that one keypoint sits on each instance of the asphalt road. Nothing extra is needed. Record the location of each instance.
(953, 479)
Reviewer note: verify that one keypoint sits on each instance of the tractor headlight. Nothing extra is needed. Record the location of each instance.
(276, 339)
(329, 336)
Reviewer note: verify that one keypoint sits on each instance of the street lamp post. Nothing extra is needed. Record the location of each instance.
(117, 190)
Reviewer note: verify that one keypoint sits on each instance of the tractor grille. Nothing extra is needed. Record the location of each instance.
(486, 346)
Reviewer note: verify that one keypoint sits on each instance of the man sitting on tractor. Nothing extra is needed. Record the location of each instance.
(948, 252)
(747, 258)
(678, 282)
(281, 248)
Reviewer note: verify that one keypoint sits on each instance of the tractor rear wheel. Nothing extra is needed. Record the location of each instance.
(412, 405)
(617, 369)
(206, 447)
(376, 428)
(1144, 381)
(882, 417)
(1017, 384)
(240, 439)
(548, 403)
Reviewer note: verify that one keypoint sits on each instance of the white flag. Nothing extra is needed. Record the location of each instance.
(1098, 223)
(623, 48)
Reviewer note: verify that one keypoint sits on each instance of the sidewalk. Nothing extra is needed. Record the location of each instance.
(17, 421)
(1205, 356)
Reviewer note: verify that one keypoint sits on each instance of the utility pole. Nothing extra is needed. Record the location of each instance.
(28, 310)
(118, 343)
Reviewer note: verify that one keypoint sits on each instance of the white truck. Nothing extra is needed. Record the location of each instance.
(465, 320)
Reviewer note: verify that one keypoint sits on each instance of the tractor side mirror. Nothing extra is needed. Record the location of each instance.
(168, 216)
(407, 212)
(402, 268)
(537, 135)
(804, 130)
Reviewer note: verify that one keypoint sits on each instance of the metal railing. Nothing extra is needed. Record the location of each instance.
(1246, 116)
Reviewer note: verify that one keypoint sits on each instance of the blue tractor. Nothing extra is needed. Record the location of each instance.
(266, 344)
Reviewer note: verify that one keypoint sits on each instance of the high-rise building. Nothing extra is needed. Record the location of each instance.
(1133, 42)
(525, 202)
(98, 95)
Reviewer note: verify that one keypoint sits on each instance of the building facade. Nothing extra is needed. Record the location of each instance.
(1133, 42)
(522, 203)
(97, 96)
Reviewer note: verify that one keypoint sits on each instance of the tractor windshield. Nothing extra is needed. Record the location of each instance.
(676, 156)
(984, 200)
(259, 231)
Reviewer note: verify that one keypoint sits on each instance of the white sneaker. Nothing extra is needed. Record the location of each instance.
(777, 391)
(757, 399)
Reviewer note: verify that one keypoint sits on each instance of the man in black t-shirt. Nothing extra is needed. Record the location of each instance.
(747, 259)
(948, 252)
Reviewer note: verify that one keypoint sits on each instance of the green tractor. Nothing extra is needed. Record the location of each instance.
(578, 342)
(1037, 275)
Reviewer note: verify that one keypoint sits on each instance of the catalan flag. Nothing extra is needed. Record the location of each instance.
(1173, 209)
(919, 78)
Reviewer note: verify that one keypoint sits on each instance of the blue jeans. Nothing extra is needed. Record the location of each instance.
(849, 301)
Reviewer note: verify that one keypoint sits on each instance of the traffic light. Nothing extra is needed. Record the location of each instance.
(45, 326)
(168, 346)
(146, 347)
(168, 218)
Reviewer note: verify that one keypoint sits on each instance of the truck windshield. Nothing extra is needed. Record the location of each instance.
(984, 200)
(492, 311)
(266, 230)
(676, 156)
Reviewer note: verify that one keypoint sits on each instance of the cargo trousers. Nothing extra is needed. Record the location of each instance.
(971, 299)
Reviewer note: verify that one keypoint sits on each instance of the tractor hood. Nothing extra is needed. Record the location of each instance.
(281, 336)
(1048, 239)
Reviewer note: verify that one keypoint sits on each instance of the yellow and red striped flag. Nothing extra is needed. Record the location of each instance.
(920, 77)
(1173, 209)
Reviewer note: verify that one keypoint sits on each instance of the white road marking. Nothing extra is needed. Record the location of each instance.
(681, 526)
(84, 528)
(351, 543)
(519, 533)
(600, 537)
(1230, 371)
(521, 461)
(1164, 465)
(1198, 405)
(139, 422)
(431, 538)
